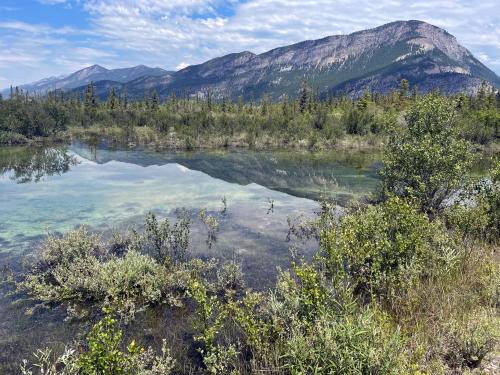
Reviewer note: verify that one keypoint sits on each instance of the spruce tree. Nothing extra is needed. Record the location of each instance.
(112, 99)
(404, 87)
(155, 101)
(90, 104)
(304, 97)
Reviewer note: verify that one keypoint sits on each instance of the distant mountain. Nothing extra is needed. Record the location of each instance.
(92, 73)
(375, 59)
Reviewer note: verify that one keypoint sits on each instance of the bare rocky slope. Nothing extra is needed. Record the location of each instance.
(375, 59)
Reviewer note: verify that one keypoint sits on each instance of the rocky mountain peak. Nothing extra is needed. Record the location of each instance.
(376, 59)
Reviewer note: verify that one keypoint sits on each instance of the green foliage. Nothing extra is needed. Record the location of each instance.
(312, 295)
(477, 214)
(46, 364)
(82, 270)
(427, 161)
(169, 241)
(481, 126)
(217, 122)
(12, 138)
(360, 121)
(212, 225)
(471, 338)
(103, 355)
(210, 319)
(382, 249)
(359, 343)
(490, 200)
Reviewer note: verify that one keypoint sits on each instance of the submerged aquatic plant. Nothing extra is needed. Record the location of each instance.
(212, 225)
(169, 241)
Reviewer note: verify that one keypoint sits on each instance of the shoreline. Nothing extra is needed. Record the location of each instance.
(147, 137)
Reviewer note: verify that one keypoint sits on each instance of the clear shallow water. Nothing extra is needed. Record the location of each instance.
(54, 189)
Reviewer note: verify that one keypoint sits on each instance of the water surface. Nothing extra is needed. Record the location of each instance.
(50, 190)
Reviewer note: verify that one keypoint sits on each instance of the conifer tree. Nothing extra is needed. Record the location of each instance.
(241, 104)
(285, 107)
(90, 104)
(304, 97)
(209, 100)
(124, 101)
(155, 101)
(404, 87)
(414, 92)
(112, 99)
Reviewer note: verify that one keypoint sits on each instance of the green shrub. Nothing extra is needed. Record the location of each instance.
(478, 217)
(103, 355)
(363, 342)
(12, 138)
(482, 126)
(80, 269)
(168, 240)
(427, 161)
(469, 221)
(380, 249)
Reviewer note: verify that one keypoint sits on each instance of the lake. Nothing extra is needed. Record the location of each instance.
(51, 190)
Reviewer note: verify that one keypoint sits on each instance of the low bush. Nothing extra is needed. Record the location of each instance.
(385, 248)
(12, 138)
(477, 214)
(81, 270)
(471, 338)
(362, 342)
(103, 353)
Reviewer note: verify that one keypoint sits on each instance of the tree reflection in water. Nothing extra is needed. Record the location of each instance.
(31, 164)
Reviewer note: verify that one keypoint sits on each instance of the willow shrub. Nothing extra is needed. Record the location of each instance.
(385, 248)
(477, 217)
(427, 160)
(362, 342)
(323, 330)
(301, 327)
(82, 271)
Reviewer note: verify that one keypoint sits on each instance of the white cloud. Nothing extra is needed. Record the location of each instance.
(39, 29)
(170, 33)
(182, 65)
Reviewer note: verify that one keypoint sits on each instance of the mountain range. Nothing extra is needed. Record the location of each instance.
(94, 73)
(377, 59)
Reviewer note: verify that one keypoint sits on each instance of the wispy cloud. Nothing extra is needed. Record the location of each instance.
(176, 32)
(170, 30)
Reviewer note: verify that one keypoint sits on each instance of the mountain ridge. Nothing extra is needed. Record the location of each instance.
(377, 59)
(83, 76)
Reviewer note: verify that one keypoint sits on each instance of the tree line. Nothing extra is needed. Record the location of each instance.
(308, 117)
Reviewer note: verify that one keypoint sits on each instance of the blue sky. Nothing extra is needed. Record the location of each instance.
(42, 38)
